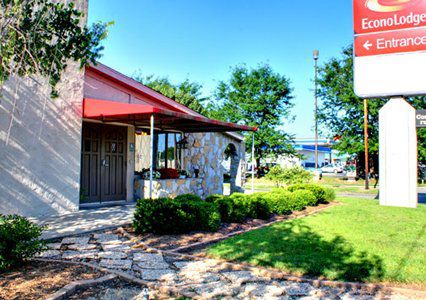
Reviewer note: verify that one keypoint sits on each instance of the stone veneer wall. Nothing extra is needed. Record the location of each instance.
(168, 188)
(206, 152)
(40, 143)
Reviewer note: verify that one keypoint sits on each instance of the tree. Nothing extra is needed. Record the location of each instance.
(186, 93)
(38, 37)
(341, 112)
(261, 98)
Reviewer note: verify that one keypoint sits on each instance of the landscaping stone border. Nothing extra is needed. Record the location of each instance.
(158, 290)
(70, 288)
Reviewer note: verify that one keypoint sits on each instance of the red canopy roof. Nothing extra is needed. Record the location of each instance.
(167, 120)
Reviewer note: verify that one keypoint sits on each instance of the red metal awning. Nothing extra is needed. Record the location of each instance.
(167, 120)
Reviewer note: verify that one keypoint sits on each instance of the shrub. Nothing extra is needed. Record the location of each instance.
(287, 176)
(166, 216)
(258, 206)
(280, 201)
(302, 198)
(19, 240)
(323, 195)
(188, 197)
(330, 194)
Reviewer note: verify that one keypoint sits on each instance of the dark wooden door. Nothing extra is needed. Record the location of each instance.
(103, 169)
(113, 164)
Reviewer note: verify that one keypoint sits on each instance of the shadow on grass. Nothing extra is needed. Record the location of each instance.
(295, 247)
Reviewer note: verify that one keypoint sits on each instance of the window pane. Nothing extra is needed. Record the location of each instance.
(161, 153)
(171, 148)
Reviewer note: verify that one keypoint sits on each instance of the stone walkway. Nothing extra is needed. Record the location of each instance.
(86, 220)
(194, 277)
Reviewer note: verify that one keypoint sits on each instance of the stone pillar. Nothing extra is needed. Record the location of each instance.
(398, 154)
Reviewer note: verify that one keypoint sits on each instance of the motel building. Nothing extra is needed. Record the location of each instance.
(96, 144)
(106, 140)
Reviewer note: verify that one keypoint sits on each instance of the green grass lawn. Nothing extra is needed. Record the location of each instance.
(356, 241)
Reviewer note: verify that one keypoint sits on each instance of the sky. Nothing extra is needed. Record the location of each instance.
(202, 39)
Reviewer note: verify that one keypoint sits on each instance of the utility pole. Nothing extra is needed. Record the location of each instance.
(316, 56)
(366, 142)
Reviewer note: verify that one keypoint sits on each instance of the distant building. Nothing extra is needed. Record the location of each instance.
(306, 148)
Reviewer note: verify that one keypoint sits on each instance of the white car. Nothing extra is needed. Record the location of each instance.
(332, 168)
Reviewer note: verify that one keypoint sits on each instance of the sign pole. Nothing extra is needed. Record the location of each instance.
(366, 142)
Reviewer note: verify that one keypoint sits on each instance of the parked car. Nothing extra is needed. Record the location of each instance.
(332, 168)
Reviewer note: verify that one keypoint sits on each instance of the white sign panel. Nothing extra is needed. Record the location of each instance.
(389, 47)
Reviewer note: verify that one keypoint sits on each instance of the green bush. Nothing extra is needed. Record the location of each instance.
(19, 240)
(188, 197)
(225, 206)
(322, 194)
(286, 176)
(302, 198)
(258, 206)
(166, 216)
(330, 194)
(280, 201)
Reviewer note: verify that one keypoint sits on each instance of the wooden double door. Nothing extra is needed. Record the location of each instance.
(103, 163)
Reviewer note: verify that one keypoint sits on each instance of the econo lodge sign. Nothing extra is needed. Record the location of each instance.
(389, 47)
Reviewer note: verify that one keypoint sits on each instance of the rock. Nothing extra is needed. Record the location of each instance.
(146, 257)
(215, 289)
(81, 247)
(124, 264)
(70, 254)
(153, 265)
(105, 238)
(49, 254)
(264, 290)
(240, 276)
(297, 289)
(75, 240)
(197, 277)
(54, 246)
(115, 247)
(157, 274)
(112, 255)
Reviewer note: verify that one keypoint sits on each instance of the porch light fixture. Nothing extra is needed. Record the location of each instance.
(182, 144)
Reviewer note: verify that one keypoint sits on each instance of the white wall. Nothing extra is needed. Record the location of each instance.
(40, 144)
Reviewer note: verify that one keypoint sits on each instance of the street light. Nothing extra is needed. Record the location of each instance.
(316, 56)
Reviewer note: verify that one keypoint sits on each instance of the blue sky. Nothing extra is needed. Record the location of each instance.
(202, 39)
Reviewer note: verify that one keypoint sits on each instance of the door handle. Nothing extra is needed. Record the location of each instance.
(104, 163)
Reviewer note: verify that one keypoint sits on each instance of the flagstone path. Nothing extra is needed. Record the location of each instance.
(193, 277)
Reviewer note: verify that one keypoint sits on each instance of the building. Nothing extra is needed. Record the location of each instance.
(90, 146)
(305, 147)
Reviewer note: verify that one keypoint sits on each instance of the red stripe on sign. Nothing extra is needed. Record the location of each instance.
(400, 41)
(383, 15)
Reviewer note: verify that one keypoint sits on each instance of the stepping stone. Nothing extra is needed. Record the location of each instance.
(81, 247)
(75, 240)
(153, 265)
(297, 289)
(54, 246)
(112, 255)
(240, 276)
(79, 255)
(116, 264)
(115, 247)
(147, 257)
(263, 290)
(49, 254)
(194, 265)
(105, 238)
(197, 277)
(157, 274)
(215, 289)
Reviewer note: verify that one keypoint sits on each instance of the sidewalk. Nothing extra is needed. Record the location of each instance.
(86, 221)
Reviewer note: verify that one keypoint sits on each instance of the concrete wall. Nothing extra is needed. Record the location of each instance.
(40, 144)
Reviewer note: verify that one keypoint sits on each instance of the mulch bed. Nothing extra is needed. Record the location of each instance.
(172, 242)
(37, 280)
